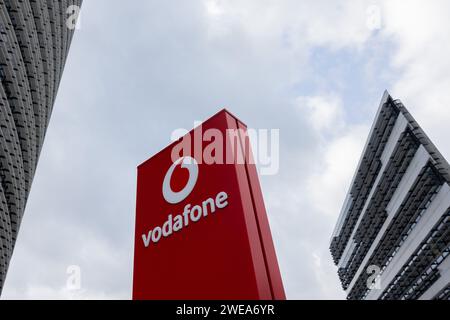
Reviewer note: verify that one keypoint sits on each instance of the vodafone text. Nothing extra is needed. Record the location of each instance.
(190, 213)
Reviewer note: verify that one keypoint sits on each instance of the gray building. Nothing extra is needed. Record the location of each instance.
(34, 42)
(392, 239)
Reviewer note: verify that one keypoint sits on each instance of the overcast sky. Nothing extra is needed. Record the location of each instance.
(139, 69)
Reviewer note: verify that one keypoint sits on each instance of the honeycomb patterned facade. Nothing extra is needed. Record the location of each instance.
(34, 42)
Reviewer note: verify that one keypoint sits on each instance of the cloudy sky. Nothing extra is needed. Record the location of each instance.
(139, 69)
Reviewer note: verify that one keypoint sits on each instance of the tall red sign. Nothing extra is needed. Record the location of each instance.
(201, 226)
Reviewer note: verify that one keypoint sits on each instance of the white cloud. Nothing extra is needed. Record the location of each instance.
(338, 161)
(314, 22)
(213, 8)
(311, 198)
(420, 31)
(339, 145)
(325, 113)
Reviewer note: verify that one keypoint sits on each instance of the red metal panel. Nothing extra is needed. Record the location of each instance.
(224, 255)
(270, 256)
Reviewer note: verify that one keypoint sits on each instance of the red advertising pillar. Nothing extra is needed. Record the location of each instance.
(201, 226)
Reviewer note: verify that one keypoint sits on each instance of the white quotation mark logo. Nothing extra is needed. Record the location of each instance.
(176, 197)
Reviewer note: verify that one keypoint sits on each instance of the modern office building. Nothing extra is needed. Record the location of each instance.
(392, 239)
(34, 42)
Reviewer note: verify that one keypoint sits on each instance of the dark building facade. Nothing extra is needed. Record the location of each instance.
(392, 239)
(35, 36)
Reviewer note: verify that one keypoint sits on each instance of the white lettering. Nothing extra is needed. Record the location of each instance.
(147, 238)
(221, 200)
(180, 221)
(195, 217)
(156, 234)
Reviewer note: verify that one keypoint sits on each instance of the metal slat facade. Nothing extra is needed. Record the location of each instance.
(34, 42)
(389, 222)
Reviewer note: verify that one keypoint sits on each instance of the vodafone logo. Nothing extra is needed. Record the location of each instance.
(173, 197)
(191, 213)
